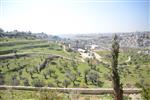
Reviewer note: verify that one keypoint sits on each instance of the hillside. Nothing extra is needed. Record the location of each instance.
(104, 40)
(27, 60)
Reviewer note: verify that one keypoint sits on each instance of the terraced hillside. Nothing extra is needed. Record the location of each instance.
(43, 63)
(26, 57)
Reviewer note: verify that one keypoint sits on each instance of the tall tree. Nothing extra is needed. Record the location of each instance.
(117, 86)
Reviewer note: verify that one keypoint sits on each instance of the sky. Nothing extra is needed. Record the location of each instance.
(75, 16)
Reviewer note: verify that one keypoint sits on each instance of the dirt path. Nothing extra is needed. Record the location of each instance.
(10, 56)
(128, 60)
(92, 91)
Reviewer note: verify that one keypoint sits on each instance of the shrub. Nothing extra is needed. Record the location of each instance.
(26, 83)
(49, 95)
(66, 83)
(2, 82)
(38, 83)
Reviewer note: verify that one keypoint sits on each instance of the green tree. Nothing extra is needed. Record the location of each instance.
(145, 93)
(1, 30)
(2, 82)
(117, 86)
(66, 83)
(85, 78)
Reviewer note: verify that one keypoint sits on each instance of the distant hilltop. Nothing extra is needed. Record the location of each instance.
(103, 41)
(26, 35)
(136, 39)
(86, 41)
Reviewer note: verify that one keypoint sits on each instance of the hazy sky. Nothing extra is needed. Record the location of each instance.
(75, 16)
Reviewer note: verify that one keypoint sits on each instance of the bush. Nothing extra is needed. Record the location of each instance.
(14, 80)
(37, 83)
(51, 85)
(145, 93)
(2, 82)
(49, 95)
(26, 83)
(66, 83)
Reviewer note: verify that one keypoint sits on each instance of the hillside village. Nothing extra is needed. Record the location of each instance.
(88, 42)
(131, 40)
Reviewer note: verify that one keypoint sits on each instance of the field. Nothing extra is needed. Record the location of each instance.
(47, 63)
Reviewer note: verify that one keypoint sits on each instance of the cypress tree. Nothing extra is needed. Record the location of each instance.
(117, 86)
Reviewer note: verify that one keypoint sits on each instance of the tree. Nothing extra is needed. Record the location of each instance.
(145, 93)
(1, 33)
(26, 82)
(74, 65)
(1, 30)
(117, 86)
(66, 83)
(14, 80)
(77, 44)
(93, 77)
(2, 82)
(57, 82)
(85, 78)
(71, 76)
(38, 83)
(45, 75)
(50, 72)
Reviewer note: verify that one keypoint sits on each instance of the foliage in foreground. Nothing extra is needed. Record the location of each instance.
(145, 93)
(48, 95)
(118, 92)
(32, 95)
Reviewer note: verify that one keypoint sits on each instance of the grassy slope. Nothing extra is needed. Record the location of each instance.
(130, 73)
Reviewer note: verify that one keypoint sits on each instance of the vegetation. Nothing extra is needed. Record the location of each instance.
(37, 62)
(145, 93)
(48, 95)
(118, 92)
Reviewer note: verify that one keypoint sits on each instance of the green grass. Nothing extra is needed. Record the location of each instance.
(135, 75)
(32, 95)
(48, 95)
(35, 61)
(51, 95)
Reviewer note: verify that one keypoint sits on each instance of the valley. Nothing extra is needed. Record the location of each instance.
(44, 62)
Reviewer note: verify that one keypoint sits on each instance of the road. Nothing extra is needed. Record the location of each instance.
(99, 58)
